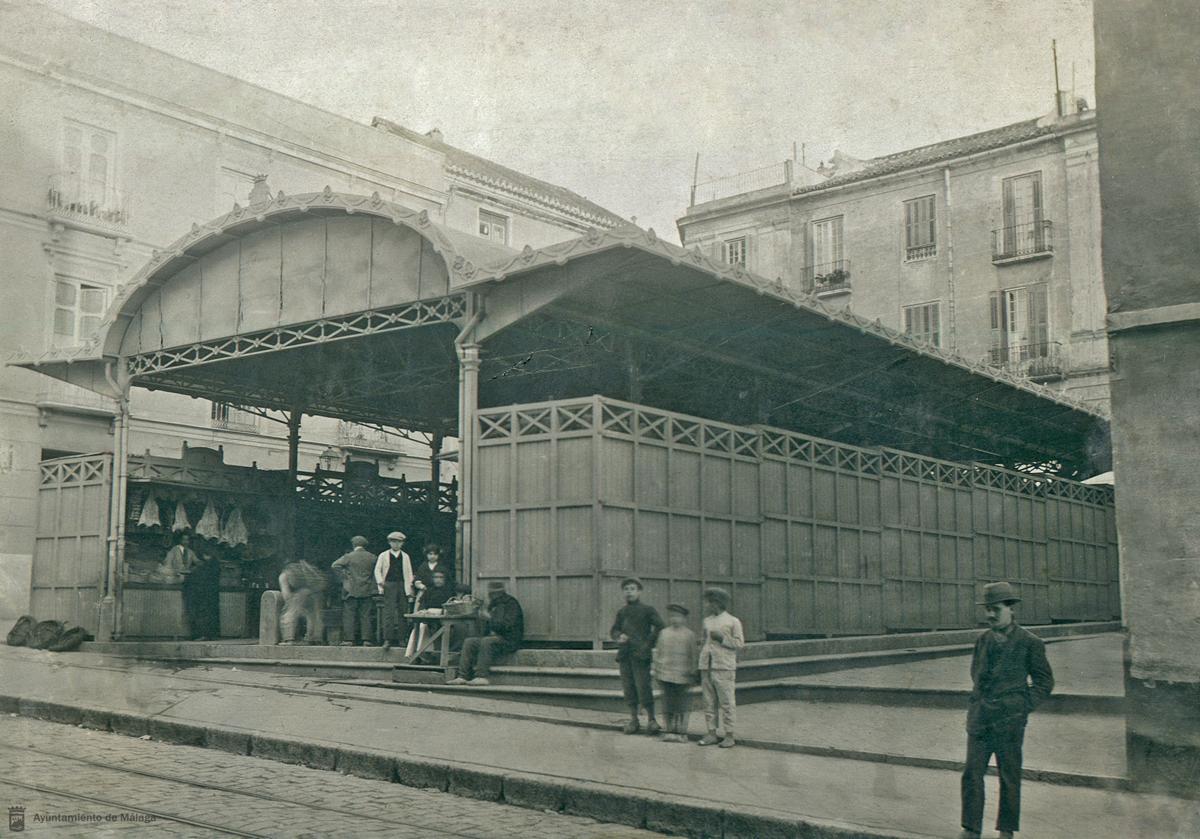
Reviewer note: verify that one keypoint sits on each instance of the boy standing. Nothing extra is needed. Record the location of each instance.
(675, 656)
(635, 630)
(718, 666)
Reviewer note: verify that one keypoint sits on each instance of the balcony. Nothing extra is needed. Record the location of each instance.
(63, 398)
(83, 207)
(354, 437)
(1037, 362)
(1022, 242)
(829, 279)
(228, 418)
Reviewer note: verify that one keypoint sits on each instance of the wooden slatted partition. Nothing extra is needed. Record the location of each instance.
(812, 537)
(71, 541)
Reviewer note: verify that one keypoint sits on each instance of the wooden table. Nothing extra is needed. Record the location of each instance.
(445, 625)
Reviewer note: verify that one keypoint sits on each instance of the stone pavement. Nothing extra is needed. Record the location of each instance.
(742, 792)
(147, 788)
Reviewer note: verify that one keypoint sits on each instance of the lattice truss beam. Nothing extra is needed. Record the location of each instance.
(443, 310)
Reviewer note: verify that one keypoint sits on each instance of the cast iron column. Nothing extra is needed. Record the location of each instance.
(468, 404)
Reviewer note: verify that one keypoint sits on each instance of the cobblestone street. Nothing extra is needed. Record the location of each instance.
(78, 782)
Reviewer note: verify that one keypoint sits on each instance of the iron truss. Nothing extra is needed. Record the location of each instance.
(323, 331)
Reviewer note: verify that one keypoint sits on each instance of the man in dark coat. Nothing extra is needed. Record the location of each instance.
(503, 631)
(1011, 677)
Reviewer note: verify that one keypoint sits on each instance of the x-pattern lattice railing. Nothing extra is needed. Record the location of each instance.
(325, 330)
(662, 427)
(75, 471)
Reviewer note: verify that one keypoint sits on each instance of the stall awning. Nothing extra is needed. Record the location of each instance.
(365, 331)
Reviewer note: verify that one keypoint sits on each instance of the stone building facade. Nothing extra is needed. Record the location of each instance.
(113, 149)
(986, 245)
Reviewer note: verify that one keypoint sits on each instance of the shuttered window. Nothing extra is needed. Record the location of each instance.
(493, 226)
(1020, 323)
(920, 228)
(78, 309)
(923, 323)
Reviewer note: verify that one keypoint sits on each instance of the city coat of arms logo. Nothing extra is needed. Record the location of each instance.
(16, 819)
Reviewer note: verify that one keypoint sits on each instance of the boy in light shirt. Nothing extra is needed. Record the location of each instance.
(675, 656)
(722, 638)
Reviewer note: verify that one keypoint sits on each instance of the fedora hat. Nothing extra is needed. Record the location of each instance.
(994, 593)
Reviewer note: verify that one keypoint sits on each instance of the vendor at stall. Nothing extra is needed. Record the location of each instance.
(202, 598)
(180, 559)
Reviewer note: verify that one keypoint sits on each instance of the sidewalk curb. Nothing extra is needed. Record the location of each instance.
(607, 803)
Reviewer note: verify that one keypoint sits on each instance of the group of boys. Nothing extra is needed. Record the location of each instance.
(648, 650)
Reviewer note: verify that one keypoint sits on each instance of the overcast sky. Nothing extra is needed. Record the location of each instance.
(614, 98)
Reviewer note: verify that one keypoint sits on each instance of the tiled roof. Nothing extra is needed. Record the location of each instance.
(937, 152)
(492, 173)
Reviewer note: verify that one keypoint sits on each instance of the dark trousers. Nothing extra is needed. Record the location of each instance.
(395, 604)
(356, 618)
(676, 706)
(1005, 740)
(635, 683)
(478, 653)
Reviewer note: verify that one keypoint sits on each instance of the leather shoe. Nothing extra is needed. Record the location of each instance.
(631, 727)
(709, 739)
(457, 681)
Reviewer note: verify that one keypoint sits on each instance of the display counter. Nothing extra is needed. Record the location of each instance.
(155, 610)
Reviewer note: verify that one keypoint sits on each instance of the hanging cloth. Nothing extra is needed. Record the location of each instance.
(209, 525)
(181, 519)
(150, 515)
(234, 533)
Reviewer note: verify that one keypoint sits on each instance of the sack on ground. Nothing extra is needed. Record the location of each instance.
(45, 634)
(22, 631)
(69, 640)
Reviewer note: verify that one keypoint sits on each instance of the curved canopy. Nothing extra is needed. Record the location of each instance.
(256, 309)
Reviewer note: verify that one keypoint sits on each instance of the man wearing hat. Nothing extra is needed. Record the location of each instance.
(394, 580)
(358, 592)
(503, 630)
(1011, 677)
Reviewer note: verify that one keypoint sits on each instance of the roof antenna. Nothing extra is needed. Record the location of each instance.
(1057, 87)
(695, 177)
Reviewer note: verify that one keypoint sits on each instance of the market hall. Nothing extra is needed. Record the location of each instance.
(620, 405)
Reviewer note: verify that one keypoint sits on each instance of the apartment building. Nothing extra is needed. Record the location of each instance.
(986, 245)
(111, 150)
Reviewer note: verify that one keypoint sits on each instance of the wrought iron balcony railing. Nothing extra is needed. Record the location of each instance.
(1039, 362)
(1022, 241)
(828, 278)
(70, 201)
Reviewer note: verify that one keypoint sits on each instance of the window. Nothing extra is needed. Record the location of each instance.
(88, 165)
(827, 244)
(225, 415)
(920, 228)
(733, 251)
(493, 226)
(78, 309)
(1023, 231)
(1020, 324)
(923, 323)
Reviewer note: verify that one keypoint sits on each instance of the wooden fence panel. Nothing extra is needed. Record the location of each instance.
(812, 537)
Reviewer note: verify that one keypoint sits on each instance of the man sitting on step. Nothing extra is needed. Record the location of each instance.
(504, 628)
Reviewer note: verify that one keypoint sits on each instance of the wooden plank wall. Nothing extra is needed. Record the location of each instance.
(812, 537)
(71, 538)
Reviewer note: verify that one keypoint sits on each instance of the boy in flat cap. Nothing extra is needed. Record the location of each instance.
(394, 579)
(718, 666)
(1011, 676)
(635, 630)
(675, 656)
